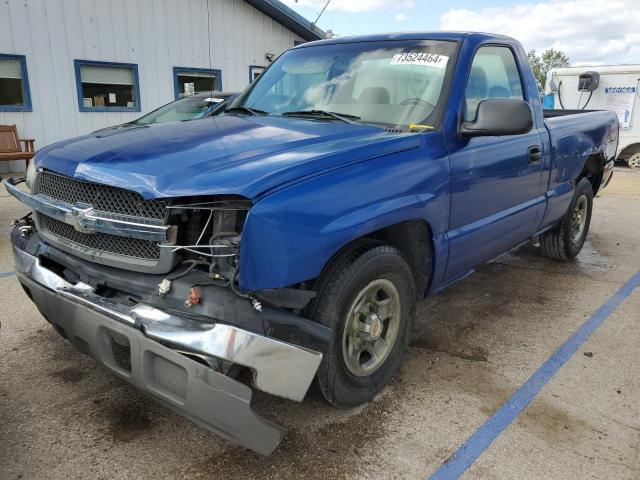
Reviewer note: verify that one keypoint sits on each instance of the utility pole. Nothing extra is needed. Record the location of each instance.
(320, 14)
(313, 24)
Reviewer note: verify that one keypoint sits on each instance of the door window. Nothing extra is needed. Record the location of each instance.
(494, 74)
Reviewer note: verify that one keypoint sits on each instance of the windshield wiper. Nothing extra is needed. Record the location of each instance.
(344, 117)
(250, 111)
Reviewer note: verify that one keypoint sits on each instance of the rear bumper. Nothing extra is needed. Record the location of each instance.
(142, 345)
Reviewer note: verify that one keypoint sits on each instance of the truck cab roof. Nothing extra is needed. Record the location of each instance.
(434, 35)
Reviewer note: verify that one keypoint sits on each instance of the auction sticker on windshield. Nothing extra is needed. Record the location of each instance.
(420, 58)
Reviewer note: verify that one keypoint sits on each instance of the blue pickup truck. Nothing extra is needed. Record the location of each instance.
(289, 239)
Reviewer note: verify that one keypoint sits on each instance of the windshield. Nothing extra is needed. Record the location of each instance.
(186, 108)
(394, 82)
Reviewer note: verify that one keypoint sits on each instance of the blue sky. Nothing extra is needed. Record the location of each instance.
(420, 15)
(588, 31)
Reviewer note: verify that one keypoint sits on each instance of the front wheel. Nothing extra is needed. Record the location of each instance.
(565, 241)
(368, 299)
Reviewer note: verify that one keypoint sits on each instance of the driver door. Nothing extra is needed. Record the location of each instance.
(496, 183)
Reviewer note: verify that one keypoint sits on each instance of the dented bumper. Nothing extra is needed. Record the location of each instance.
(143, 344)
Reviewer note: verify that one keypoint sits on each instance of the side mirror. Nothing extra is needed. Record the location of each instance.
(499, 116)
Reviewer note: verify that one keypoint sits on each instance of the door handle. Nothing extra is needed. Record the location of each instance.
(534, 153)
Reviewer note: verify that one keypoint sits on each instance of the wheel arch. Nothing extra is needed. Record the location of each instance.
(628, 151)
(412, 238)
(593, 171)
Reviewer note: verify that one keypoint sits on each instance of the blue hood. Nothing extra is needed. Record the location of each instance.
(218, 155)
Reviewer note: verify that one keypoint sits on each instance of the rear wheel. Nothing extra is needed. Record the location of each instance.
(634, 160)
(566, 240)
(367, 297)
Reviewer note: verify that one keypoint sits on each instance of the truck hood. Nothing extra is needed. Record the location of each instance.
(239, 155)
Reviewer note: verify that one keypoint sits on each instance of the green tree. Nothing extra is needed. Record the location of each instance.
(541, 64)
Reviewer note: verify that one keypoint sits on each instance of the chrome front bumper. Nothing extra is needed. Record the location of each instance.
(153, 339)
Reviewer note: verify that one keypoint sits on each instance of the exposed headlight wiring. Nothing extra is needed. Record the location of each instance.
(220, 223)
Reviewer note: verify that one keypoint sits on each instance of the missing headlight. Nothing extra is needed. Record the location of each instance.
(210, 232)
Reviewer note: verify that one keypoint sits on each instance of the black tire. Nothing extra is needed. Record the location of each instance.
(338, 287)
(559, 242)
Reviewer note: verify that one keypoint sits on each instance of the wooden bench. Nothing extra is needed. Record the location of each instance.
(11, 145)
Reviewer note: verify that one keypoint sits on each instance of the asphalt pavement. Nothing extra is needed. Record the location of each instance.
(473, 347)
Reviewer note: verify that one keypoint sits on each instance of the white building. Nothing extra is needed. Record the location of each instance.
(68, 67)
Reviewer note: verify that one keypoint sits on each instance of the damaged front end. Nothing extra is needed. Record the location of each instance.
(150, 289)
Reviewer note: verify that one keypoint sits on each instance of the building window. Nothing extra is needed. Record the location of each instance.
(187, 81)
(255, 71)
(107, 86)
(14, 84)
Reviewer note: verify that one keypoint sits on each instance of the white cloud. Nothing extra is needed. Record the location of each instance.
(588, 31)
(352, 5)
(401, 17)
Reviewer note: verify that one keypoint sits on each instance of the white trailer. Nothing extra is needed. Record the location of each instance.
(616, 89)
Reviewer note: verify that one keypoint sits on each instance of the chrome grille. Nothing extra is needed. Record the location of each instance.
(110, 249)
(128, 247)
(104, 198)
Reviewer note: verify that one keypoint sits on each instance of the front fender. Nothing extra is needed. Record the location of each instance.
(291, 234)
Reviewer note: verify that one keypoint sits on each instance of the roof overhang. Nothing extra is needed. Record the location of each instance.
(287, 17)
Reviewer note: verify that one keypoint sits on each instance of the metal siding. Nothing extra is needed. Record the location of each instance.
(59, 46)
(6, 41)
(157, 35)
(21, 41)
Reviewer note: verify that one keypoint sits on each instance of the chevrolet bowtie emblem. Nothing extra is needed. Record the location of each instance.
(80, 218)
